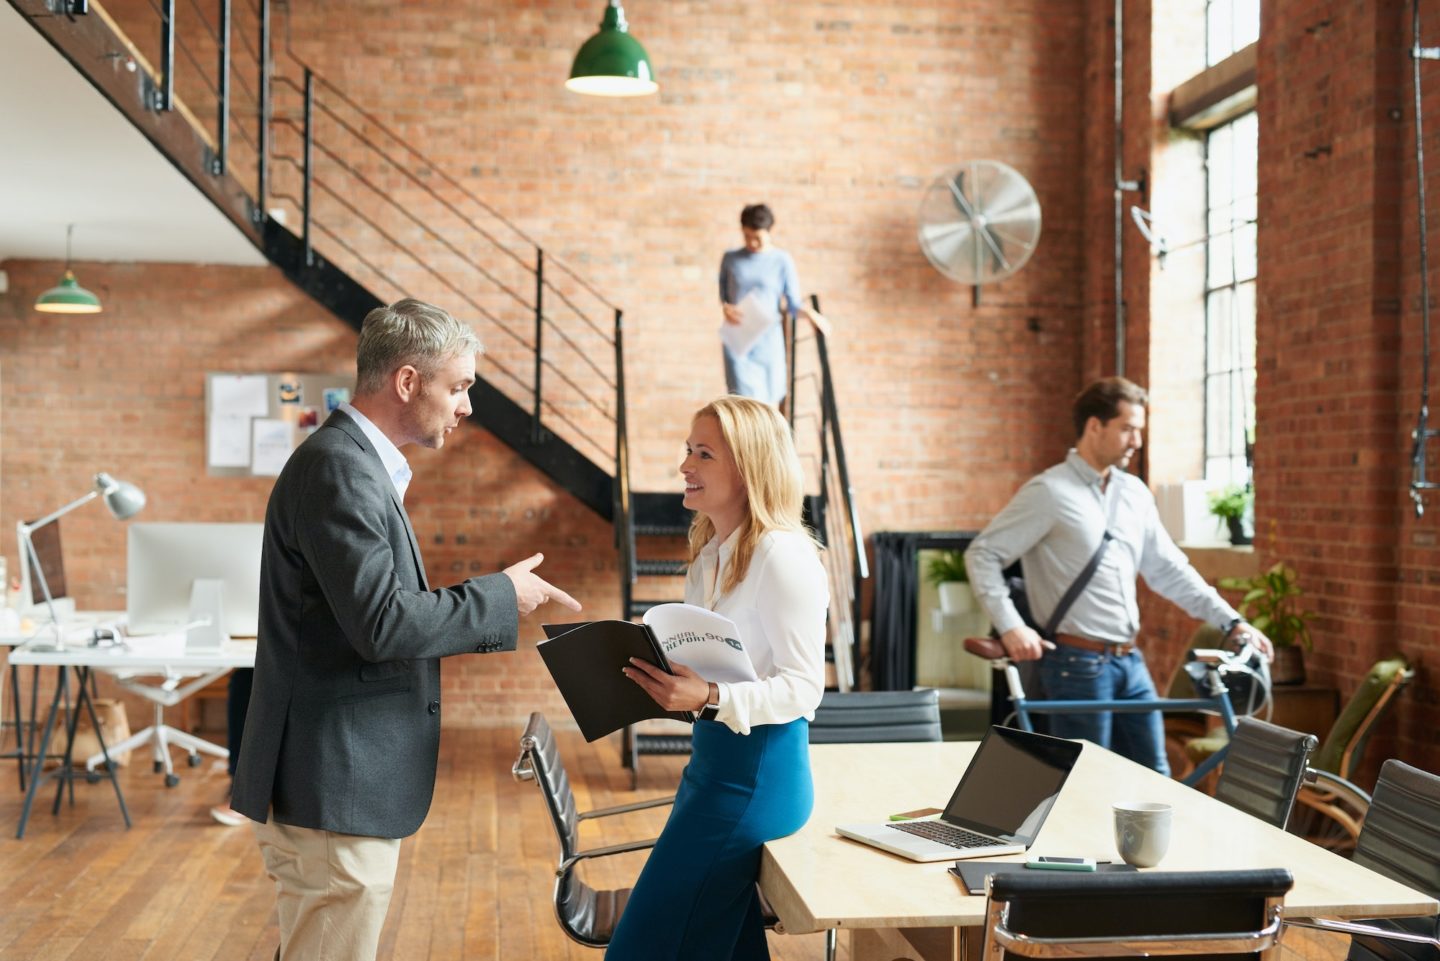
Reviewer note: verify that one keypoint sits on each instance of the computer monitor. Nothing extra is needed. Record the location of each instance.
(165, 561)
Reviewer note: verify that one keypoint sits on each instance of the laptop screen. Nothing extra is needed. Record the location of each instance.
(1011, 784)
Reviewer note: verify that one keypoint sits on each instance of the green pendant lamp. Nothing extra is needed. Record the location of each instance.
(68, 297)
(612, 63)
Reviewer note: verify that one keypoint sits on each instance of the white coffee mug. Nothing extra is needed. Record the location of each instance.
(1142, 831)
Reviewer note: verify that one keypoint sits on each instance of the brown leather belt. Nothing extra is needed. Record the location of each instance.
(1097, 647)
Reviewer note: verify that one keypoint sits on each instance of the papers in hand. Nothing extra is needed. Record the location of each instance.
(706, 642)
(587, 659)
(756, 317)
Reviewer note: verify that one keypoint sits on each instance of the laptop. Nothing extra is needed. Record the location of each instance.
(998, 808)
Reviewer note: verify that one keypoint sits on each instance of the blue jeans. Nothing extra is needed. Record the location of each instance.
(1071, 674)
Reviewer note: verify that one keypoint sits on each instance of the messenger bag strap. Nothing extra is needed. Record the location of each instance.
(1073, 593)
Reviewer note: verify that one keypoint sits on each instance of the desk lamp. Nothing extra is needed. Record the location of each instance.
(124, 501)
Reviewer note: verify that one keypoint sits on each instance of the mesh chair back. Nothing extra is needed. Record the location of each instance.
(1263, 770)
(874, 716)
(1189, 914)
(1401, 840)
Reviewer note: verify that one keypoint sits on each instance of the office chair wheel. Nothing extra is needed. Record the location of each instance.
(193, 760)
(171, 780)
(158, 766)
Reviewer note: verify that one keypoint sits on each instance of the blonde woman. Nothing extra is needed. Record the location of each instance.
(748, 780)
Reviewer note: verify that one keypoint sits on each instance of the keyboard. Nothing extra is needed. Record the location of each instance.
(946, 834)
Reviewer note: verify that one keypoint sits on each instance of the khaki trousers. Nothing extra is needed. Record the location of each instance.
(332, 890)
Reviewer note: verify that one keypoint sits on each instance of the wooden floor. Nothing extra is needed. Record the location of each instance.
(180, 886)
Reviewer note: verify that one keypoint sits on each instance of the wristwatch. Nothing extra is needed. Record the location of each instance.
(712, 708)
(1228, 628)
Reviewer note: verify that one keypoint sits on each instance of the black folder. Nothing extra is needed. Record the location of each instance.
(973, 873)
(585, 660)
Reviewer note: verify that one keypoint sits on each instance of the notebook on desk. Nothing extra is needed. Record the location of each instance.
(998, 808)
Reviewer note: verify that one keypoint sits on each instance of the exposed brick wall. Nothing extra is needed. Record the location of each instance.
(1338, 332)
(1330, 446)
(1338, 337)
(947, 407)
(124, 392)
(838, 117)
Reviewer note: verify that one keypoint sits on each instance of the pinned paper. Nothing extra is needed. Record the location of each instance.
(238, 395)
(228, 444)
(270, 445)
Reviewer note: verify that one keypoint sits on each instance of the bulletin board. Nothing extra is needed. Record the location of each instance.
(254, 420)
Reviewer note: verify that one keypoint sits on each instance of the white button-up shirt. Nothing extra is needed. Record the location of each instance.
(780, 608)
(396, 466)
(1054, 524)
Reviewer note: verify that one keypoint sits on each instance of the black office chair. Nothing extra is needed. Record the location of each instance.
(1401, 840)
(856, 717)
(1211, 914)
(587, 915)
(1263, 770)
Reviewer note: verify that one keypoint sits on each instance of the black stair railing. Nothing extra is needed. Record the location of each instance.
(376, 219)
(372, 205)
(815, 417)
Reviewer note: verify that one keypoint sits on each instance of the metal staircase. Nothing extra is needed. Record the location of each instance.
(330, 193)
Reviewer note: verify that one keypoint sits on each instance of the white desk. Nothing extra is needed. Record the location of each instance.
(817, 880)
(157, 668)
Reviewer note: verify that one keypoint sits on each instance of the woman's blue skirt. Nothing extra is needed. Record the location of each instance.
(695, 899)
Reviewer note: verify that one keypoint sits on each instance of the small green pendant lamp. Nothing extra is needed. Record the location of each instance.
(68, 297)
(612, 63)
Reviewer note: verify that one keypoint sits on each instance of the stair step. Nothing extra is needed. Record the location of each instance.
(649, 568)
(661, 530)
(662, 743)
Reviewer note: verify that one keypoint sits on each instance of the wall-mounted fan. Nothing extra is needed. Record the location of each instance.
(979, 222)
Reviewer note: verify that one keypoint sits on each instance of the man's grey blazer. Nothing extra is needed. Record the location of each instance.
(343, 729)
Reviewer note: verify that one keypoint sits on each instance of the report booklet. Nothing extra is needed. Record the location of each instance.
(706, 642)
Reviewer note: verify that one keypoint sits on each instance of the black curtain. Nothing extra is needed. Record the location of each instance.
(894, 611)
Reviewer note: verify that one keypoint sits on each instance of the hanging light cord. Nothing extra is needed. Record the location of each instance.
(1422, 433)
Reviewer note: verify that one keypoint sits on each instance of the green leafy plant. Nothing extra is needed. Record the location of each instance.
(1271, 603)
(1231, 503)
(947, 566)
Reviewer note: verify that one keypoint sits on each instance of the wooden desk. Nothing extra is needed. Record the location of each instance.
(818, 880)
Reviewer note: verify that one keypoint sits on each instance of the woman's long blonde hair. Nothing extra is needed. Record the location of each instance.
(764, 453)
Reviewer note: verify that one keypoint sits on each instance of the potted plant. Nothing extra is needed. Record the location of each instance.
(1231, 504)
(946, 571)
(1271, 603)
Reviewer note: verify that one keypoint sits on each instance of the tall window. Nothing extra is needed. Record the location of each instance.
(1230, 25)
(1230, 161)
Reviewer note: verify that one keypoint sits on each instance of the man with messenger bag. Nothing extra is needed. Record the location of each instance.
(1083, 531)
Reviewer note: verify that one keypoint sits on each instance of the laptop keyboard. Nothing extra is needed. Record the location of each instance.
(945, 834)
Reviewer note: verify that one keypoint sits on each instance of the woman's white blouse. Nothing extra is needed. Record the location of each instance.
(780, 609)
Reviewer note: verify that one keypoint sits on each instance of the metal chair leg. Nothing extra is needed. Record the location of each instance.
(832, 937)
